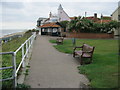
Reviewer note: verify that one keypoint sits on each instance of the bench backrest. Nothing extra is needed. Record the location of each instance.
(87, 48)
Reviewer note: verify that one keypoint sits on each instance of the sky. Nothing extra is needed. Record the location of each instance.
(18, 14)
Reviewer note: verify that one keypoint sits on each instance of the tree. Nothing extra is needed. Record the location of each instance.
(63, 24)
(73, 24)
(88, 26)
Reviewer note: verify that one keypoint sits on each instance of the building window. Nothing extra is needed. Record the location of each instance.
(43, 30)
(48, 30)
(118, 17)
(54, 30)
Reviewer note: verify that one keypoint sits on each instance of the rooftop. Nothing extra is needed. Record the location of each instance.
(50, 25)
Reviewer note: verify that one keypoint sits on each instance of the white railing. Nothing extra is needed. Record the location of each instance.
(28, 44)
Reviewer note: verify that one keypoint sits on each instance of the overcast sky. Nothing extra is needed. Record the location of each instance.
(23, 15)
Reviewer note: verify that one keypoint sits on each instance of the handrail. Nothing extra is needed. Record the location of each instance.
(2, 53)
(3, 68)
(27, 50)
(28, 44)
(24, 43)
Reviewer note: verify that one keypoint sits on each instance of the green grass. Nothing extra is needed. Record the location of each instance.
(7, 59)
(103, 72)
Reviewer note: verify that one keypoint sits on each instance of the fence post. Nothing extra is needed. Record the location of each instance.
(14, 69)
(27, 49)
(23, 64)
(29, 43)
(33, 38)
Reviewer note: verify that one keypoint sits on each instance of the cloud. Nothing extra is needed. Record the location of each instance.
(59, 1)
(24, 14)
(79, 8)
(13, 5)
(17, 25)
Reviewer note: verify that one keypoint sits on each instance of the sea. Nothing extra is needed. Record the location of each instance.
(4, 32)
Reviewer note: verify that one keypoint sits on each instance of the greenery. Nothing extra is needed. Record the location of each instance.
(63, 24)
(106, 18)
(26, 72)
(7, 59)
(88, 26)
(103, 71)
(32, 30)
(26, 87)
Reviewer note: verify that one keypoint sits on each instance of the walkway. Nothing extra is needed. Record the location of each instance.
(52, 69)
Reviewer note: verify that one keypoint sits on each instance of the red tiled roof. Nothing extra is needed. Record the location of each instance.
(103, 21)
(50, 25)
(92, 18)
(98, 20)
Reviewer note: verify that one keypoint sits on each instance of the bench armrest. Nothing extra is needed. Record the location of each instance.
(77, 47)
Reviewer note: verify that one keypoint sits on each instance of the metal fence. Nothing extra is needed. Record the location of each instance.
(26, 47)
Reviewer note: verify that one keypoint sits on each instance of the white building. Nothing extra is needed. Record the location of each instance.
(116, 16)
(42, 23)
(60, 16)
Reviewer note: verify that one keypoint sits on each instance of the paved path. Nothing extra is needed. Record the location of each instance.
(52, 69)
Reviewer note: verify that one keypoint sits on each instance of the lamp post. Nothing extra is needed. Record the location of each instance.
(74, 41)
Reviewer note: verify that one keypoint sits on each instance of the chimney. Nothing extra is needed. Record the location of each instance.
(95, 15)
(50, 15)
(85, 14)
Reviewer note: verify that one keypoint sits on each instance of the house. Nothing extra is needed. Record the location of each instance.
(116, 16)
(103, 19)
(40, 22)
(62, 15)
(93, 18)
(52, 29)
(50, 26)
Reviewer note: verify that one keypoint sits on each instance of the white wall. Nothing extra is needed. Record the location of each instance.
(115, 17)
(63, 16)
(115, 14)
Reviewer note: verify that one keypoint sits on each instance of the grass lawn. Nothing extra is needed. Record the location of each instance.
(103, 72)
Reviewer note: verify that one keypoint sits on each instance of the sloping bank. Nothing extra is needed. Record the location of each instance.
(11, 46)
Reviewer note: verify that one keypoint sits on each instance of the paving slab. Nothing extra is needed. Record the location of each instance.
(50, 68)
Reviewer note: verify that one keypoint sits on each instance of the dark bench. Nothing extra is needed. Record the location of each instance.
(60, 40)
(85, 52)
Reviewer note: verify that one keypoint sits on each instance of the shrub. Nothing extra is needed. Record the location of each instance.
(88, 26)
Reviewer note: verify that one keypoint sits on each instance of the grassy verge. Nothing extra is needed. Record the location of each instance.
(7, 59)
(103, 72)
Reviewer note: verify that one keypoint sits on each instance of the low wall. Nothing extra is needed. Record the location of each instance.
(89, 35)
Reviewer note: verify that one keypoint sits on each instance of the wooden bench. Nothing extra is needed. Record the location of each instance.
(60, 40)
(85, 52)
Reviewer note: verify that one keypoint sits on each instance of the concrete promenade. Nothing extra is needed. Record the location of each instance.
(50, 68)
